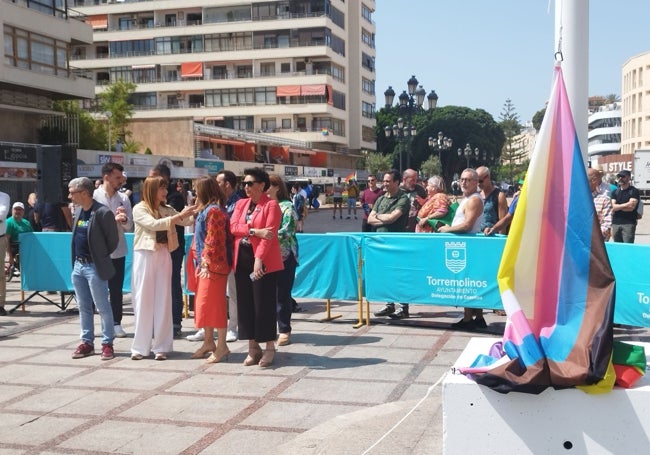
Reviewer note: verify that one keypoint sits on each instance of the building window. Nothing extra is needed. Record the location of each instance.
(368, 86)
(367, 110)
(268, 125)
(286, 123)
(368, 38)
(368, 134)
(366, 13)
(267, 69)
(285, 67)
(36, 52)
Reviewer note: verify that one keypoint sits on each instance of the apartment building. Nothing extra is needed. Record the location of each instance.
(289, 81)
(37, 40)
(636, 106)
(604, 137)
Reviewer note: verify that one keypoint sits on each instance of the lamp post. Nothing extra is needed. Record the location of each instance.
(468, 153)
(442, 143)
(409, 103)
(108, 115)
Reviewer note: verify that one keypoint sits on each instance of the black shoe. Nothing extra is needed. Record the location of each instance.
(388, 309)
(464, 325)
(480, 323)
(402, 313)
(178, 333)
(3, 312)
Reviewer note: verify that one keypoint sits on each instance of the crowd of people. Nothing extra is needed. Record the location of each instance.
(244, 253)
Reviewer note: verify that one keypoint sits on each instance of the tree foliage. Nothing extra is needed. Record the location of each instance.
(538, 118)
(514, 153)
(463, 125)
(92, 134)
(376, 163)
(115, 99)
(431, 166)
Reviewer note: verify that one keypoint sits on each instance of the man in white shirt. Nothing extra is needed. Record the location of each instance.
(108, 194)
(4, 210)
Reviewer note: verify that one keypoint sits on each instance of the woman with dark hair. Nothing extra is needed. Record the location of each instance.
(257, 259)
(154, 238)
(213, 252)
(289, 248)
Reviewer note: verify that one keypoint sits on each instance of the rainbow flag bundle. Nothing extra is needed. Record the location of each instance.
(555, 278)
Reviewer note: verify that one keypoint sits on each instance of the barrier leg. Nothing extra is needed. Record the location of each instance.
(328, 312)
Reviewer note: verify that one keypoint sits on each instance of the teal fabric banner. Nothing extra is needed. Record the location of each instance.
(629, 262)
(328, 266)
(434, 269)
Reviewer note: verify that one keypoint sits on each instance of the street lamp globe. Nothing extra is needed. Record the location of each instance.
(433, 99)
(389, 95)
(412, 85)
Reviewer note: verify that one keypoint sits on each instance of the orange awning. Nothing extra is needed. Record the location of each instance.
(287, 90)
(312, 89)
(99, 21)
(218, 140)
(192, 69)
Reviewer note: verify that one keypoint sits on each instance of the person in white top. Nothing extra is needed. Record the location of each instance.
(108, 194)
(468, 220)
(4, 211)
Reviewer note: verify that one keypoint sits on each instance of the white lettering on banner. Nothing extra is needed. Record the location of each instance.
(617, 166)
(644, 299)
(465, 282)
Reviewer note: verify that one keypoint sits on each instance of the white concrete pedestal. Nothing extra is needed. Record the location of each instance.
(478, 420)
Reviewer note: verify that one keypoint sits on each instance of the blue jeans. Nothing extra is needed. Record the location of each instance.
(89, 288)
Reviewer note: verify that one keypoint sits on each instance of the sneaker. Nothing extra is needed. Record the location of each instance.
(402, 313)
(119, 331)
(107, 351)
(231, 336)
(284, 339)
(198, 336)
(388, 309)
(83, 350)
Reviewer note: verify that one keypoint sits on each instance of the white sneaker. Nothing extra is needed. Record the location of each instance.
(119, 331)
(198, 336)
(231, 336)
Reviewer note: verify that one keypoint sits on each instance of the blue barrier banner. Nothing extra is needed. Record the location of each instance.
(46, 262)
(328, 266)
(436, 269)
(632, 284)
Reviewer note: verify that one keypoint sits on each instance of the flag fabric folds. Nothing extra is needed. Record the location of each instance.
(555, 279)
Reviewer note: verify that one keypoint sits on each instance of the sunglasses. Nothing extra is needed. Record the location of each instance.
(480, 180)
(250, 183)
(372, 180)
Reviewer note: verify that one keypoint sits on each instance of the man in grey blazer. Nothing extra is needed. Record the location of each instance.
(94, 238)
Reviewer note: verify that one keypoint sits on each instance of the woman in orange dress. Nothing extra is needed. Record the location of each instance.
(435, 206)
(213, 246)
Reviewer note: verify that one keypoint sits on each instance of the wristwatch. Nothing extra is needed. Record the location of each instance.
(251, 232)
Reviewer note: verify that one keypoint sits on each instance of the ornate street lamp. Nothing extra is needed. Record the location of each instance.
(409, 103)
(442, 143)
(468, 153)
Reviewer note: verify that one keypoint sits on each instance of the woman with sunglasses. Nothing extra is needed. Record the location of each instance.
(257, 259)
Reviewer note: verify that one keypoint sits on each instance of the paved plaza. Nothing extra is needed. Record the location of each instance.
(334, 390)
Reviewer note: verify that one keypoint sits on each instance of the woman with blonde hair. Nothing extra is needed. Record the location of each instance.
(154, 238)
(213, 250)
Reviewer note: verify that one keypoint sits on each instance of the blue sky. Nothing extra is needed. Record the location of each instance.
(478, 53)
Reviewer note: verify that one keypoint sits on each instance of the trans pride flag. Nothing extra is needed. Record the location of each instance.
(555, 279)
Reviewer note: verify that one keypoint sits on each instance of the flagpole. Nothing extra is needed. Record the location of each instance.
(572, 40)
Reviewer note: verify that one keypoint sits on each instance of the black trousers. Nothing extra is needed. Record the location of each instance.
(256, 300)
(115, 285)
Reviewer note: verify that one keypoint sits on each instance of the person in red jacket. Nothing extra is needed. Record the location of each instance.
(257, 259)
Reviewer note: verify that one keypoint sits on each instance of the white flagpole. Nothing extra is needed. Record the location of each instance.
(572, 40)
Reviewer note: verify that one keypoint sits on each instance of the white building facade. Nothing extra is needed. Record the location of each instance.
(604, 136)
(636, 103)
(294, 78)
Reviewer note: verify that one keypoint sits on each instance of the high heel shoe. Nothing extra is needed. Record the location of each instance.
(253, 357)
(267, 359)
(203, 351)
(217, 357)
